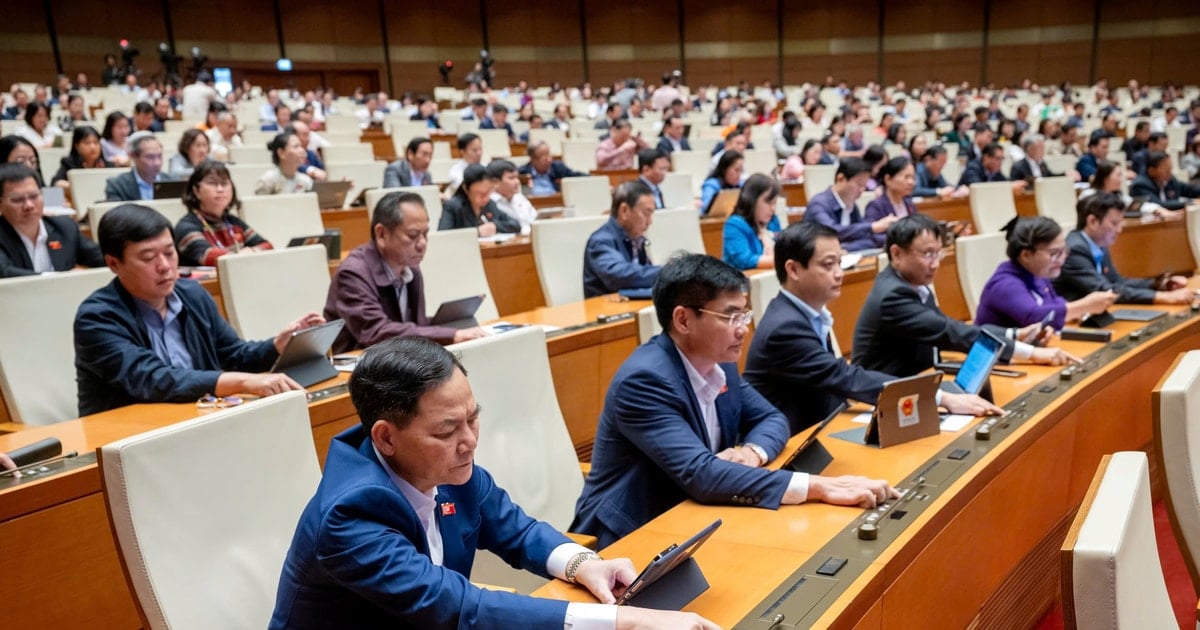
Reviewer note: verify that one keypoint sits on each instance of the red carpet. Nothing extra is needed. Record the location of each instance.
(1179, 583)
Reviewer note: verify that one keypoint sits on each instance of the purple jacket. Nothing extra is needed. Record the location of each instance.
(362, 294)
(856, 236)
(1008, 299)
(881, 207)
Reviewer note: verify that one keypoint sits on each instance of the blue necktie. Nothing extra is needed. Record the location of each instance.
(1099, 258)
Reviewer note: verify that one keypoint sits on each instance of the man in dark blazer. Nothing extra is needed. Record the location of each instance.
(413, 169)
(1157, 142)
(390, 536)
(379, 290)
(900, 323)
(146, 153)
(792, 361)
(615, 257)
(837, 207)
(1089, 266)
(1159, 185)
(499, 120)
(678, 422)
(1032, 167)
(672, 136)
(987, 169)
(545, 173)
(54, 243)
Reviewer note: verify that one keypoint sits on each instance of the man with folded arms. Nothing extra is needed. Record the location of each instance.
(148, 336)
(30, 242)
(390, 536)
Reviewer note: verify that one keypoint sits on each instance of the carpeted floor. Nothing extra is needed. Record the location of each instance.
(1179, 583)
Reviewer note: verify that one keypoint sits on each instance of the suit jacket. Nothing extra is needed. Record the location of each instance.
(457, 213)
(1079, 276)
(1086, 166)
(360, 559)
(1170, 196)
(652, 447)
(558, 171)
(1021, 170)
(399, 173)
(610, 265)
(797, 372)
(855, 236)
(896, 333)
(124, 187)
(665, 145)
(115, 364)
(362, 295)
(973, 173)
(71, 250)
(927, 185)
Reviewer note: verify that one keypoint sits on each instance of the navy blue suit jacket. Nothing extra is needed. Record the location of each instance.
(798, 373)
(975, 174)
(558, 171)
(73, 249)
(856, 236)
(927, 185)
(360, 559)
(665, 146)
(652, 450)
(609, 264)
(1080, 277)
(1171, 196)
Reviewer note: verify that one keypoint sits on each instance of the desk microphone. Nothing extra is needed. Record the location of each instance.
(36, 452)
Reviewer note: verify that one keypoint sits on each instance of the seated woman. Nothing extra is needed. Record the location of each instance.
(193, 149)
(898, 178)
(751, 229)
(793, 168)
(917, 146)
(209, 231)
(1019, 293)
(15, 149)
(38, 129)
(472, 206)
(874, 157)
(897, 135)
(85, 153)
(288, 154)
(1108, 179)
(726, 175)
(114, 138)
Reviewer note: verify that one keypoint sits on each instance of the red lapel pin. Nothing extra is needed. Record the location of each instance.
(54, 245)
(447, 509)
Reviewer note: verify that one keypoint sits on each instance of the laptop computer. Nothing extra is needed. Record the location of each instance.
(305, 357)
(332, 194)
(811, 456)
(458, 313)
(169, 190)
(54, 201)
(673, 578)
(331, 239)
(973, 374)
(906, 411)
(723, 203)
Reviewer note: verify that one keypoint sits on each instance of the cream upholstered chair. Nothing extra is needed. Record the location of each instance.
(172, 209)
(977, 257)
(37, 350)
(265, 291)
(1055, 198)
(764, 286)
(553, 138)
(694, 163)
(647, 323)
(676, 191)
(1060, 163)
(580, 155)
(587, 195)
(1193, 232)
(1111, 576)
(280, 218)
(673, 231)
(87, 185)
(365, 174)
(203, 511)
(523, 439)
(49, 159)
(818, 177)
(430, 194)
(245, 176)
(339, 153)
(495, 143)
(558, 251)
(1177, 449)
(453, 269)
(760, 161)
(992, 206)
(250, 154)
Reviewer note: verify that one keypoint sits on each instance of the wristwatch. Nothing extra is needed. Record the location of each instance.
(758, 450)
(575, 561)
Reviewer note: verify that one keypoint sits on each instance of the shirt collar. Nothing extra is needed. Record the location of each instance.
(174, 307)
(707, 386)
(405, 277)
(824, 316)
(138, 177)
(1096, 249)
(421, 502)
(42, 236)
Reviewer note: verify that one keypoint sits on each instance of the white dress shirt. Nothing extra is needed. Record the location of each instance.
(39, 251)
(519, 208)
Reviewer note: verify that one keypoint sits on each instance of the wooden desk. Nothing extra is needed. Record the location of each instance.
(960, 209)
(985, 551)
(794, 193)
(712, 230)
(616, 177)
(547, 201)
(381, 143)
(512, 275)
(355, 224)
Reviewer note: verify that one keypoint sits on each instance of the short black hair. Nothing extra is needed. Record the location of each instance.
(647, 157)
(1154, 158)
(205, 168)
(81, 133)
(693, 280)
(724, 163)
(498, 168)
(1157, 136)
(189, 138)
(934, 151)
(478, 102)
(851, 166)
(1027, 233)
(415, 144)
(110, 122)
(873, 155)
(392, 376)
(903, 232)
(387, 211)
(142, 107)
(798, 242)
(14, 173)
(465, 140)
(1097, 136)
(129, 223)
(1098, 205)
(991, 150)
(1142, 125)
(893, 167)
(499, 108)
(629, 193)
(32, 109)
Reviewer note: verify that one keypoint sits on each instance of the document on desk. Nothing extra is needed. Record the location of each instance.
(949, 422)
(496, 328)
(497, 238)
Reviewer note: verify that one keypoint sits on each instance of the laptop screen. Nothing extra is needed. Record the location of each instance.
(978, 364)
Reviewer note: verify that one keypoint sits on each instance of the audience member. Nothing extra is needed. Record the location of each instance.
(1158, 184)
(499, 120)
(726, 175)
(17, 150)
(470, 147)
(545, 173)
(211, 228)
(898, 179)
(1155, 142)
(38, 129)
(285, 178)
(749, 234)
(653, 167)
(472, 206)
(507, 194)
(114, 139)
(223, 136)
(617, 152)
(312, 166)
(85, 153)
(672, 136)
(1097, 150)
(987, 169)
(615, 257)
(413, 168)
(138, 184)
(837, 207)
(30, 242)
(193, 149)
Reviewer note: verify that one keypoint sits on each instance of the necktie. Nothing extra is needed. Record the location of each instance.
(1099, 258)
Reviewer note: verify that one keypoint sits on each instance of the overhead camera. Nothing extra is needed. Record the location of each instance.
(170, 62)
(199, 60)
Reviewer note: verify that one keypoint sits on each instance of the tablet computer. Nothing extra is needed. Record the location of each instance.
(169, 190)
(981, 358)
(458, 313)
(304, 357)
(654, 587)
(331, 194)
(811, 456)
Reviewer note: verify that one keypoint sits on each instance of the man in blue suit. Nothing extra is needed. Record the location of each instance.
(615, 257)
(545, 173)
(672, 136)
(390, 536)
(837, 207)
(678, 422)
(792, 360)
(138, 184)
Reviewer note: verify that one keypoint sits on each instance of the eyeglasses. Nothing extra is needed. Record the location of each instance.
(734, 320)
(217, 182)
(208, 401)
(932, 255)
(1056, 254)
(24, 199)
(26, 160)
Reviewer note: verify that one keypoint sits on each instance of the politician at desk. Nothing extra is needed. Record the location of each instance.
(678, 421)
(792, 361)
(837, 207)
(615, 257)
(30, 242)
(900, 324)
(390, 536)
(149, 337)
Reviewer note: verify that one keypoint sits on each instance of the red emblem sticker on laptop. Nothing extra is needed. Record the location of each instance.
(908, 410)
(447, 509)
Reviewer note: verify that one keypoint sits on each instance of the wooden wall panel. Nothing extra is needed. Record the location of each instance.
(631, 38)
(424, 35)
(534, 44)
(25, 50)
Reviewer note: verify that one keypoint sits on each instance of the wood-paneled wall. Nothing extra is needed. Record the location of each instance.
(999, 41)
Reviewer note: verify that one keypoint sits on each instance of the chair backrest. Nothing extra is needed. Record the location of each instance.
(495, 143)
(1055, 198)
(695, 163)
(232, 484)
(338, 153)
(49, 160)
(580, 155)
(647, 323)
(265, 291)
(365, 174)
(173, 209)
(1111, 576)
(977, 257)
(760, 161)
(818, 177)
(677, 190)
(431, 195)
(588, 195)
(453, 269)
(87, 185)
(672, 231)
(558, 246)
(992, 206)
(245, 176)
(1060, 163)
(553, 138)
(37, 349)
(1193, 232)
(1177, 448)
(280, 218)
(764, 286)
(250, 154)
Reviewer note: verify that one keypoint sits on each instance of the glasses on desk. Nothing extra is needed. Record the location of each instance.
(208, 401)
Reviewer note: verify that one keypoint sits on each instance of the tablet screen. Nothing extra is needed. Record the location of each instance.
(978, 364)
